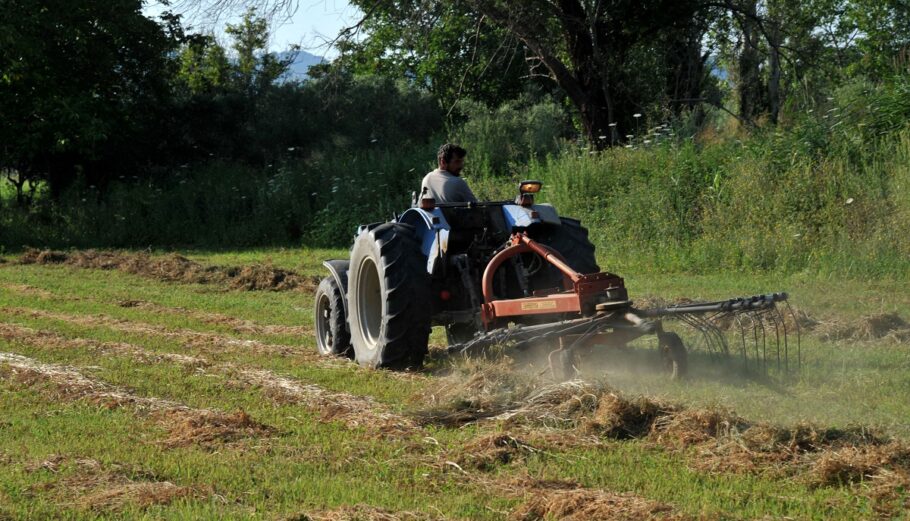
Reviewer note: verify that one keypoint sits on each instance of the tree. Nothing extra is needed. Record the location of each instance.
(445, 47)
(79, 81)
(255, 67)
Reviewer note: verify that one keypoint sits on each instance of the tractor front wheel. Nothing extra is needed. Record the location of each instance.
(389, 298)
(674, 355)
(332, 338)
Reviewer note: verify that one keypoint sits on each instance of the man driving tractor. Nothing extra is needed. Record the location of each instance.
(445, 184)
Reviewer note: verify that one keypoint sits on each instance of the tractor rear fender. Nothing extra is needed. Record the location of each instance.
(521, 217)
(432, 232)
(339, 270)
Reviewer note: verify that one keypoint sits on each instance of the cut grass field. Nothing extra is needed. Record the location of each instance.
(125, 395)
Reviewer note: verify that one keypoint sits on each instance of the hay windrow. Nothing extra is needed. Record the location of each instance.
(185, 424)
(209, 428)
(211, 342)
(238, 325)
(109, 488)
(353, 411)
(44, 339)
(882, 326)
(568, 501)
(176, 268)
(363, 513)
(484, 453)
(712, 439)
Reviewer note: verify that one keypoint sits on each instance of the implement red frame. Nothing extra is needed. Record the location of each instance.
(581, 294)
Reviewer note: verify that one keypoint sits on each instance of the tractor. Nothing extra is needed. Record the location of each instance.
(498, 272)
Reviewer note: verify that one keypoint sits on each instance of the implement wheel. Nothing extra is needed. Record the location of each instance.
(673, 354)
(389, 298)
(332, 337)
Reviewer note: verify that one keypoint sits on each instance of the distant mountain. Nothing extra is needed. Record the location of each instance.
(302, 63)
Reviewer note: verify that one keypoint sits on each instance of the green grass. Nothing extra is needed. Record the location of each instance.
(310, 465)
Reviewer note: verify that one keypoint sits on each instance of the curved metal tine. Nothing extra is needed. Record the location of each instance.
(716, 334)
(692, 321)
(721, 336)
(783, 322)
(742, 335)
(799, 359)
(756, 317)
(759, 316)
(710, 332)
(778, 325)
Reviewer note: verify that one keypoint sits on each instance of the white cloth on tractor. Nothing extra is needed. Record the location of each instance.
(446, 187)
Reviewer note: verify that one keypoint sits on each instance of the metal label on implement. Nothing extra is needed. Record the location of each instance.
(541, 304)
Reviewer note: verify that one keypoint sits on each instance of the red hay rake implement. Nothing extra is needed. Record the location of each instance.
(596, 310)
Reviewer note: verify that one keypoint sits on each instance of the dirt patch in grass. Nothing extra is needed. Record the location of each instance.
(566, 500)
(92, 485)
(362, 513)
(176, 268)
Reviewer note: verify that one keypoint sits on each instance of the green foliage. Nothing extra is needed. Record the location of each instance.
(511, 134)
(445, 47)
(80, 82)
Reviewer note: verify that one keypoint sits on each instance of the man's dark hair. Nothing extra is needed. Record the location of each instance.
(450, 151)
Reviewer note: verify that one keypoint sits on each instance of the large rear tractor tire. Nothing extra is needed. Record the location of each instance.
(389, 298)
(571, 241)
(332, 337)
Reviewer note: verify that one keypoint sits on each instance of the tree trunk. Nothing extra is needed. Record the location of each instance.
(749, 88)
(774, 44)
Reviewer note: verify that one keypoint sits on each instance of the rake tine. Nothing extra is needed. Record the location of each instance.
(799, 359)
(712, 336)
(778, 322)
(721, 337)
(764, 342)
(693, 322)
(706, 329)
(742, 334)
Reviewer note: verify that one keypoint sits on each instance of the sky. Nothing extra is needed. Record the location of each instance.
(314, 23)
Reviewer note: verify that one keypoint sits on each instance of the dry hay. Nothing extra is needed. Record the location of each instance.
(484, 391)
(485, 452)
(176, 268)
(363, 513)
(353, 411)
(92, 485)
(210, 342)
(45, 339)
(689, 427)
(26, 289)
(871, 327)
(568, 501)
(209, 428)
(186, 425)
(238, 325)
(475, 390)
(855, 464)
